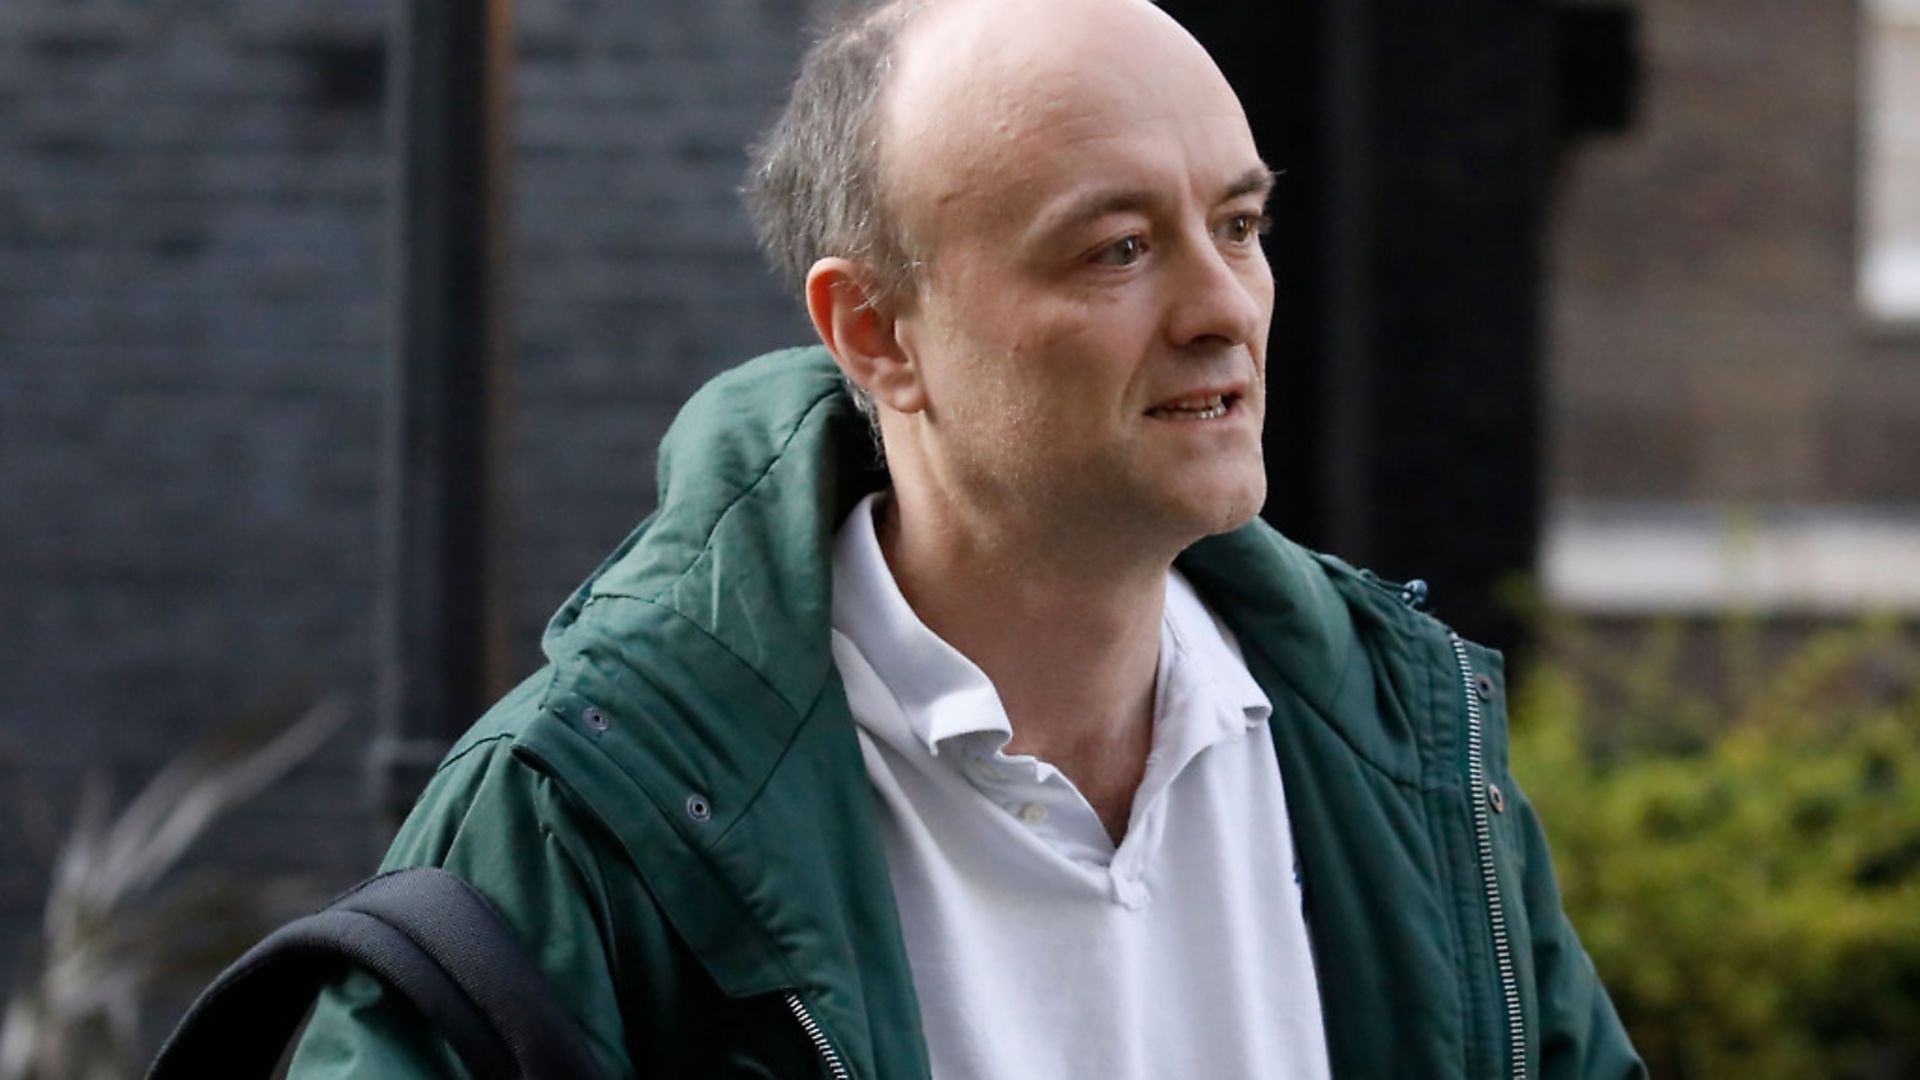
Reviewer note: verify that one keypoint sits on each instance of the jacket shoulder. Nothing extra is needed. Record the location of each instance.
(491, 816)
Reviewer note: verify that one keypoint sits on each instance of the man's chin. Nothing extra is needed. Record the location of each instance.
(1228, 505)
(1239, 515)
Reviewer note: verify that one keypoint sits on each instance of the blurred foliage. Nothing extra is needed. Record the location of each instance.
(126, 916)
(1737, 834)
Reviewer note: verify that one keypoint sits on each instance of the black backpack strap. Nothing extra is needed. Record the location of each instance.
(423, 932)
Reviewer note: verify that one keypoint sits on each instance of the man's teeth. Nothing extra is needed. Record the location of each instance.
(1198, 409)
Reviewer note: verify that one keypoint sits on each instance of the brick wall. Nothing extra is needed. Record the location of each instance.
(190, 331)
(1705, 338)
(192, 339)
(638, 277)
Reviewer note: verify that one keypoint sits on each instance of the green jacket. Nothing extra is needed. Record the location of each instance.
(675, 810)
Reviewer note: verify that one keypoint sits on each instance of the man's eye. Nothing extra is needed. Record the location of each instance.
(1241, 228)
(1122, 252)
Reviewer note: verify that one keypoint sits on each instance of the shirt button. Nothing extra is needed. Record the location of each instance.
(984, 771)
(1033, 813)
(1130, 893)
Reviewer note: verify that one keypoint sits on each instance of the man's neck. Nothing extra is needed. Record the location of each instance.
(1070, 640)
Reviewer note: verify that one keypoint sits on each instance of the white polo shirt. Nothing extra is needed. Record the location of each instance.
(1038, 949)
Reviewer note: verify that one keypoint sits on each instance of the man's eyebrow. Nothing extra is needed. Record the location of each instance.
(1093, 205)
(1100, 202)
(1258, 180)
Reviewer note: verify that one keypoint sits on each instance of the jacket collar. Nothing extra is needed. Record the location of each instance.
(762, 465)
(706, 639)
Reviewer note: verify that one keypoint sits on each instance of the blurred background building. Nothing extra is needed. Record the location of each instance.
(1612, 305)
(1734, 337)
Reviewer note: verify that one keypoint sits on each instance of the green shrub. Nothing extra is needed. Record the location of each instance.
(1742, 861)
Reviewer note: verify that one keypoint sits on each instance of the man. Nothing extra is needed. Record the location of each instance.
(1034, 756)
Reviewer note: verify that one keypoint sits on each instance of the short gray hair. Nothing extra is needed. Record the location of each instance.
(814, 187)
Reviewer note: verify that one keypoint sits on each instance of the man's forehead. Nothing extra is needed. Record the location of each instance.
(1014, 56)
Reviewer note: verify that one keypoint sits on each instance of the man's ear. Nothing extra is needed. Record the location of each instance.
(862, 334)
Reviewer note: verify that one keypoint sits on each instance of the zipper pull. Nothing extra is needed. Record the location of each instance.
(1414, 594)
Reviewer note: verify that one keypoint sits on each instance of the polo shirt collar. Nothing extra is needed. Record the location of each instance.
(943, 694)
(1211, 663)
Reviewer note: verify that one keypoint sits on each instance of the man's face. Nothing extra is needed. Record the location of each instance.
(1092, 334)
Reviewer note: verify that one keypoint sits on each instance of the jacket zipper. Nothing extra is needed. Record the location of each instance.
(1483, 839)
(821, 1046)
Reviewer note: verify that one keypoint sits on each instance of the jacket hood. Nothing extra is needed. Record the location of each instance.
(744, 525)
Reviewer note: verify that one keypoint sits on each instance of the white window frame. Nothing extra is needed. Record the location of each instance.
(1889, 270)
(1647, 558)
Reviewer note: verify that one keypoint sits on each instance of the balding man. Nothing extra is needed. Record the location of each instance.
(1032, 754)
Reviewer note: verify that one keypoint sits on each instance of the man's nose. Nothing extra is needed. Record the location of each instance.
(1218, 296)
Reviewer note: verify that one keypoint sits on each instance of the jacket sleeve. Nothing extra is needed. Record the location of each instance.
(498, 823)
(1580, 1034)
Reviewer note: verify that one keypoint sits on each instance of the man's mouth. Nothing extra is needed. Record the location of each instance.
(1206, 407)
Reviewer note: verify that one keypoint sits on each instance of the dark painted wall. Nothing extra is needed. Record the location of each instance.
(1416, 141)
